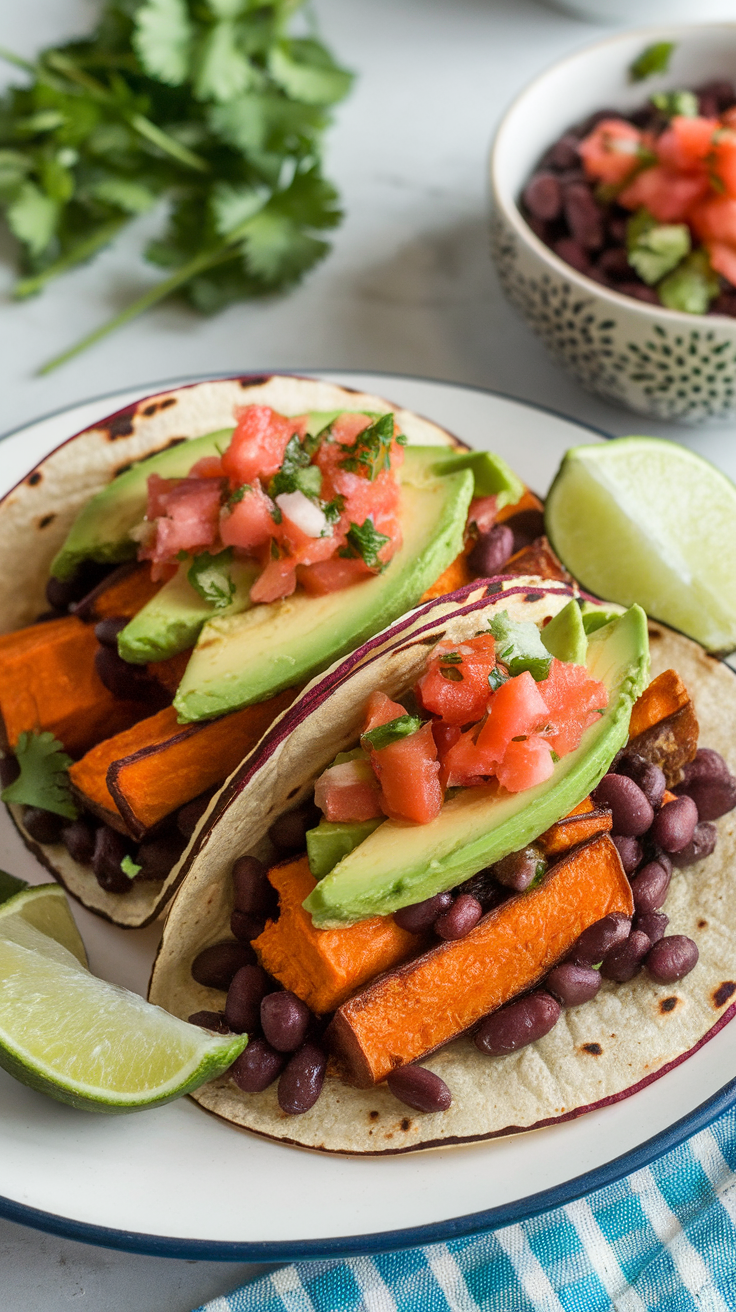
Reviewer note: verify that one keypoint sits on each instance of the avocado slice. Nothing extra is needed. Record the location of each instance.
(400, 864)
(565, 636)
(491, 474)
(331, 840)
(241, 659)
(170, 622)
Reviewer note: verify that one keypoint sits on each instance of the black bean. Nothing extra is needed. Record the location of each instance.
(616, 226)
(720, 92)
(702, 843)
(419, 1088)
(461, 917)
(672, 958)
(599, 938)
(725, 303)
(252, 892)
(572, 253)
(79, 840)
(257, 1067)
(543, 196)
(422, 915)
(664, 858)
(9, 770)
(648, 777)
(653, 924)
(285, 1020)
(519, 869)
(60, 594)
(630, 850)
(288, 833)
(572, 984)
(210, 1020)
(639, 291)
(564, 153)
(649, 887)
(631, 813)
(706, 765)
(521, 1022)
(110, 848)
(126, 681)
(246, 927)
(302, 1080)
(189, 815)
(243, 1005)
(526, 526)
(158, 856)
(539, 228)
(491, 551)
(614, 262)
(584, 216)
(674, 824)
(216, 966)
(107, 630)
(623, 961)
(43, 826)
(713, 798)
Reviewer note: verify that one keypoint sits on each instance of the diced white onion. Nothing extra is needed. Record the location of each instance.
(304, 513)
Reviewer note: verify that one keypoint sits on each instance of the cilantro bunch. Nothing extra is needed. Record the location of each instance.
(212, 106)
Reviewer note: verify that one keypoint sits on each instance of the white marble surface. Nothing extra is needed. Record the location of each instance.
(408, 289)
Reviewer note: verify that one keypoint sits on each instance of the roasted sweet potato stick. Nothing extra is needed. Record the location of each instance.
(665, 696)
(123, 593)
(581, 824)
(422, 1005)
(664, 727)
(324, 966)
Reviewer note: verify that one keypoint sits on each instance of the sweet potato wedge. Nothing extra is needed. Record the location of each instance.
(422, 1005)
(455, 576)
(581, 824)
(539, 559)
(529, 501)
(137, 778)
(122, 593)
(324, 966)
(664, 727)
(48, 681)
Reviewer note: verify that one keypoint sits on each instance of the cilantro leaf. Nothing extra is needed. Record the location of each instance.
(653, 59)
(163, 39)
(306, 72)
(365, 541)
(683, 103)
(32, 218)
(296, 474)
(224, 71)
(43, 780)
(211, 578)
(371, 451)
(391, 732)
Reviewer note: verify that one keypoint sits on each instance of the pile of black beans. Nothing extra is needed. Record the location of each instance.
(652, 840)
(495, 547)
(562, 206)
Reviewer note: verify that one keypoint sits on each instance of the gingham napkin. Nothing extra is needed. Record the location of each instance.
(663, 1239)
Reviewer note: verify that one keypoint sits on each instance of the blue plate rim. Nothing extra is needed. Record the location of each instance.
(393, 1240)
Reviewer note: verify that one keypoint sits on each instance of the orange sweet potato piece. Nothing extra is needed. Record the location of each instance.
(324, 966)
(137, 778)
(455, 576)
(539, 559)
(529, 501)
(48, 681)
(664, 727)
(412, 1010)
(124, 592)
(664, 696)
(581, 824)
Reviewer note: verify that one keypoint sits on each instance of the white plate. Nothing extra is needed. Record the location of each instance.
(176, 1181)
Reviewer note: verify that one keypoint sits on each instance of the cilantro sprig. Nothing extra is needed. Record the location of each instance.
(43, 780)
(215, 110)
(391, 732)
(296, 474)
(210, 577)
(371, 451)
(364, 540)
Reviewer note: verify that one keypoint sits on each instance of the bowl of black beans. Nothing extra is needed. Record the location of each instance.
(613, 179)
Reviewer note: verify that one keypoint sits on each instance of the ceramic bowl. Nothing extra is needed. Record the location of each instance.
(657, 362)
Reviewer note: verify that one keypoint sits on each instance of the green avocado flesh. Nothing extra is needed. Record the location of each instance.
(241, 659)
(402, 863)
(565, 636)
(170, 622)
(331, 840)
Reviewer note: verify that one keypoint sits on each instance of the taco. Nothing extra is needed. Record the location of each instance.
(440, 936)
(204, 553)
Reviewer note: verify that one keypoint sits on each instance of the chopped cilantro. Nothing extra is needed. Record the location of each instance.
(555, 757)
(332, 510)
(653, 59)
(371, 451)
(296, 474)
(683, 104)
(451, 658)
(43, 780)
(275, 513)
(385, 734)
(400, 440)
(497, 676)
(210, 577)
(238, 494)
(364, 540)
(129, 867)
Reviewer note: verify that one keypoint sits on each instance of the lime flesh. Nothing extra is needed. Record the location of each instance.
(639, 519)
(80, 1039)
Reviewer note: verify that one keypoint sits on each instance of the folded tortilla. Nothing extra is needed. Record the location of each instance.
(36, 515)
(597, 1053)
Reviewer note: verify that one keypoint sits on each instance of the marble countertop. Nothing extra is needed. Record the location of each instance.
(407, 289)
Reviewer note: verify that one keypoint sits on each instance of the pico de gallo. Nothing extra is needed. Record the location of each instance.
(321, 511)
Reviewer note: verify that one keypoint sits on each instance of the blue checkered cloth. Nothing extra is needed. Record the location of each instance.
(663, 1239)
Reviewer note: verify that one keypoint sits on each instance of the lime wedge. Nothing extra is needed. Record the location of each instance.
(642, 520)
(79, 1038)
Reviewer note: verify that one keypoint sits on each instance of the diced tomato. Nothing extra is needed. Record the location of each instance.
(380, 710)
(574, 701)
(445, 736)
(248, 524)
(348, 792)
(482, 512)
(257, 446)
(207, 467)
(186, 513)
(462, 764)
(303, 549)
(408, 769)
(611, 151)
(332, 575)
(687, 142)
(525, 764)
(723, 259)
(714, 219)
(277, 580)
(724, 160)
(455, 690)
(668, 195)
(516, 708)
